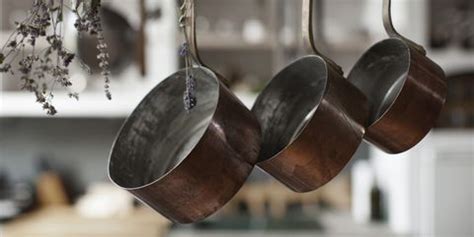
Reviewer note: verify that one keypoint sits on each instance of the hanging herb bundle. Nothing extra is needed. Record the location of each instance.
(41, 70)
(189, 97)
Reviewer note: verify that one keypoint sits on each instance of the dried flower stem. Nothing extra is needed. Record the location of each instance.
(189, 97)
(90, 22)
(41, 70)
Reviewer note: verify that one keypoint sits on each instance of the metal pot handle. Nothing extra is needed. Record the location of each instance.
(308, 34)
(188, 18)
(390, 29)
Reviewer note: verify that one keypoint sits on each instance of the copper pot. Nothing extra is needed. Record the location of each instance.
(186, 165)
(312, 119)
(405, 89)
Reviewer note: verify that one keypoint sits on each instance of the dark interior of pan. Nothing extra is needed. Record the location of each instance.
(381, 74)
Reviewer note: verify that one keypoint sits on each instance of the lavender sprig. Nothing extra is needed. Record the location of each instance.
(189, 97)
(43, 69)
(90, 22)
(190, 100)
(183, 50)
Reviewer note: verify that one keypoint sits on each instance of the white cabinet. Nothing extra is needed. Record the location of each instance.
(431, 188)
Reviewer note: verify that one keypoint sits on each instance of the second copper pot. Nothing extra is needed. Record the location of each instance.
(312, 119)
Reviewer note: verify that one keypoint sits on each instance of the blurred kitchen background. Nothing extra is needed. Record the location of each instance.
(53, 170)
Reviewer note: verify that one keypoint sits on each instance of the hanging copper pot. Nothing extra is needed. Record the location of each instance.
(312, 118)
(405, 89)
(186, 164)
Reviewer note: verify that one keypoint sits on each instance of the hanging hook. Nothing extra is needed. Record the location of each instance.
(390, 29)
(308, 34)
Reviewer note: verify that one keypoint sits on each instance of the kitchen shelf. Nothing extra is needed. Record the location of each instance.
(232, 44)
(453, 60)
(90, 104)
(22, 104)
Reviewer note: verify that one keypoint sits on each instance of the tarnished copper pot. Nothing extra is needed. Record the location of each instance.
(186, 165)
(312, 119)
(405, 89)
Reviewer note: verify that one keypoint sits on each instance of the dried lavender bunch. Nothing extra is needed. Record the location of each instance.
(88, 21)
(190, 100)
(43, 69)
(189, 97)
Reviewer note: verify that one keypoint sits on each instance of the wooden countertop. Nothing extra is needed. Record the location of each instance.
(65, 222)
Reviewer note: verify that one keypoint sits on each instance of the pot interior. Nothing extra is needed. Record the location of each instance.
(160, 133)
(380, 74)
(288, 102)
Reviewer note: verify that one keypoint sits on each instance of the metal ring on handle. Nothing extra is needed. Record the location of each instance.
(390, 29)
(308, 34)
